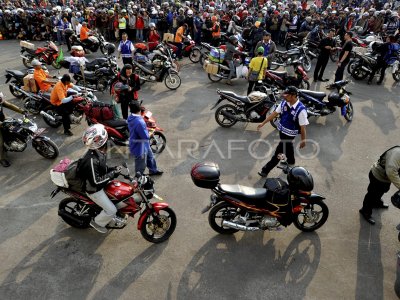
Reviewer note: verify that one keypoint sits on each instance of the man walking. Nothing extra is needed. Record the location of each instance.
(344, 56)
(384, 172)
(326, 46)
(293, 121)
(126, 49)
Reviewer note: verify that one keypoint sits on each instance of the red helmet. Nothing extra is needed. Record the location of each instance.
(141, 46)
(212, 4)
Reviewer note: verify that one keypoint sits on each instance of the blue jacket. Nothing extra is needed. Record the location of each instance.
(289, 122)
(138, 136)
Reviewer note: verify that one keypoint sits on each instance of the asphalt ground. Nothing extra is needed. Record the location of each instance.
(44, 258)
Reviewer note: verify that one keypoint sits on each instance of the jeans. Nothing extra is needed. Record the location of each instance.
(251, 86)
(60, 37)
(139, 34)
(231, 69)
(179, 51)
(285, 146)
(109, 209)
(376, 189)
(145, 160)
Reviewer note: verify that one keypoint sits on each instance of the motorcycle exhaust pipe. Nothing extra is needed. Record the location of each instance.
(46, 115)
(229, 115)
(239, 227)
(63, 213)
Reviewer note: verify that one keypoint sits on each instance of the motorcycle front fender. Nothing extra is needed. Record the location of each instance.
(312, 198)
(156, 206)
(39, 138)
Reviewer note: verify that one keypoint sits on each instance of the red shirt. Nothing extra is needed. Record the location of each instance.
(139, 22)
(153, 36)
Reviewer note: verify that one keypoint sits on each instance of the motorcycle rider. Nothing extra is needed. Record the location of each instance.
(84, 36)
(41, 77)
(95, 173)
(384, 172)
(293, 121)
(3, 103)
(229, 52)
(63, 103)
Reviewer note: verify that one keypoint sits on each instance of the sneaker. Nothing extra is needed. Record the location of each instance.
(158, 172)
(367, 218)
(99, 228)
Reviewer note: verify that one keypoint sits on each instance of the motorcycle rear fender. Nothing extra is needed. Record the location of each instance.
(8, 76)
(218, 102)
(156, 206)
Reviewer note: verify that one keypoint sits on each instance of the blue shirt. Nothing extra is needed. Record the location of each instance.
(138, 136)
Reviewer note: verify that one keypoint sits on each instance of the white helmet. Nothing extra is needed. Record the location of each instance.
(190, 12)
(78, 14)
(365, 14)
(372, 10)
(95, 136)
(394, 14)
(152, 25)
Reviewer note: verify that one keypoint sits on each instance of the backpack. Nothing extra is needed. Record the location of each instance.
(65, 175)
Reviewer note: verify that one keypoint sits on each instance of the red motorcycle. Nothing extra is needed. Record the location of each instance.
(47, 54)
(157, 220)
(189, 49)
(118, 129)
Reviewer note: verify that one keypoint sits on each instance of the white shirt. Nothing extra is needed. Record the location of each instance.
(303, 121)
(78, 29)
(132, 47)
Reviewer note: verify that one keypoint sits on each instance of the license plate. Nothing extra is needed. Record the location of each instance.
(40, 131)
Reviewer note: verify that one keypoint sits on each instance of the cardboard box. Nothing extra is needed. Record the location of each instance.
(168, 37)
(30, 84)
(26, 44)
(211, 68)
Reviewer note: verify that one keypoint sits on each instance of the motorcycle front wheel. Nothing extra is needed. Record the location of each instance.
(102, 84)
(158, 228)
(16, 93)
(103, 50)
(158, 142)
(307, 63)
(74, 208)
(46, 148)
(358, 73)
(214, 78)
(334, 55)
(203, 58)
(275, 121)
(27, 62)
(223, 211)
(350, 66)
(304, 84)
(312, 217)
(349, 112)
(195, 55)
(223, 120)
(172, 81)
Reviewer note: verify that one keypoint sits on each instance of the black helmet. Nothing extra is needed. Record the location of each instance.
(334, 98)
(291, 90)
(110, 48)
(396, 199)
(300, 179)
(68, 31)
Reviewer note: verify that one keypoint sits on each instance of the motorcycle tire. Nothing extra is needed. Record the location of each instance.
(195, 55)
(304, 84)
(227, 212)
(103, 50)
(31, 108)
(56, 65)
(51, 111)
(46, 148)
(218, 115)
(73, 207)
(301, 223)
(13, 91)
(288, 44)
(172, 81)
(141, 74)
(150, 224)
(203, 58)
(158, 142)
(349, 112)
(102, 84)
(307, 63)
(27, 62)
(396, 76)
(214, 78)
(358, 73)
(350, 66)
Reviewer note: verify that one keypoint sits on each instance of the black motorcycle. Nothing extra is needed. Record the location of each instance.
(17, 134)
(253, 108)
(98, 79)
(294, 54)
(364, 66)
(164, 72)
(95, 42)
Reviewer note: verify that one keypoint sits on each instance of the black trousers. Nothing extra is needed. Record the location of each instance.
(127, 60)
(376, 189)
(125, 107)
(65, 110)
(251, 86)
(382, 65)
(340, 71)
(286, 147)
(320, 66)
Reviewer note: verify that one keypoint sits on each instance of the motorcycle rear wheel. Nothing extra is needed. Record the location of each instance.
(46, 148)
(358, 73)
(307, 63)
(218, 115)
(195, 55)
(214, 78)
(203, 58)
(152, 226)
(13, 91)
(73, 206)
(349, 112)
(222, 211)
(334, 55)
(27, 62)
(302, 218)
(172, 81)
(158, 142)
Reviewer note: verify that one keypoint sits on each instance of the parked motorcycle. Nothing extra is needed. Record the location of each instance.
(163, 73)
(223, 68)
(47, 54)
(99, 79)
(297, 53)
(157, 220)
(97, 41)
(364, 67)
(293, 39)
(118, 132)
(253, 108)
(241, 208)
(189, 49)
(16, 79)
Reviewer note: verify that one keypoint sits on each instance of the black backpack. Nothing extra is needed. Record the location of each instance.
(75, 182)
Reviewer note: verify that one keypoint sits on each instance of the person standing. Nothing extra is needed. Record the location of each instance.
(132, 80)
(229, 52)
(139, 142)
(215, 31)
(344, 56)
(293, 120)
(384, 172)
(257, 68)
(179, 36)
(325, 46)
(268, 45)
(125, 50)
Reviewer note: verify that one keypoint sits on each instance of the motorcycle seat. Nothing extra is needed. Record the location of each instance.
(119, 123)
(89, 74)
(244, 192)
(30, 51)
(16, 73)
(278, 73)
(281, 52)
(98, 61)
(314, 94)
(244, 99)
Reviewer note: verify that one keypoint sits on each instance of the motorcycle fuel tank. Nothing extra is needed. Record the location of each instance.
(118, 190)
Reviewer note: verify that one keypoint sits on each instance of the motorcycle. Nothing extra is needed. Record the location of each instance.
(189, 49)
(97, 41)
(253, 108)
(16, 79)
(99, 79)
(118, 129)
(162, 73)
(297, 53)
(47, 54)
(157, 220)
(364, 67)
(224, 70)
(240, 208)
(293, 39)
(17, 133)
